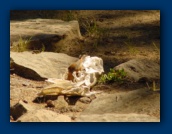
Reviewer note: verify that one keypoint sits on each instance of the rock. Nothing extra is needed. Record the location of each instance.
(75, 109)
(17, 94)
(139, 101)
(44, 34)
(114, 117)
(11, 63)
(60, 103)
(50, 103)
(41, 66)
(86, 100)
(11, 119)
(141, 70)
(19, 109)
(43, 115)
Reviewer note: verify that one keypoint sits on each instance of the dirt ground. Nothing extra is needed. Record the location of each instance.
(145, 104)
(122, 35)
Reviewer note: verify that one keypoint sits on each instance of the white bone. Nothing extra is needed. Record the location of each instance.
(85, 79)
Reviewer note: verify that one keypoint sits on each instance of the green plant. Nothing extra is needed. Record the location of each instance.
(67, 15)
(129, 42)
(95, 43)
(102, 35)
(91, 27)
(131, 48)
(23, 44)
(71, 15)
(99, 36)
(156, 48)
(43, 47)
(113, 76)
(93, 30)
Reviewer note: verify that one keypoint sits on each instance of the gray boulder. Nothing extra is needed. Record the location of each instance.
(48, 34)
(41, 66)
(141, 70)
(43, 115)
(118, 106)
(115, 117)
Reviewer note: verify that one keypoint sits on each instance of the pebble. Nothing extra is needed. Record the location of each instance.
(50, 103)
(85, 100)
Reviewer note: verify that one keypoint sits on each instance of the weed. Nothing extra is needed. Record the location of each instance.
(67, 15)
(103, 34)
(91, 27)
(131, 48)
(156, 48)
(113, 76)
(22, 44)
(95, 44)
(129, 43)
(70, 16)
(153, 88)
(95, 32)
(43, 48)
(128, 36)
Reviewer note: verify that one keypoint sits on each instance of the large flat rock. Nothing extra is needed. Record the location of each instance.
(42, 65)
(141, 69)
(119, 106)
(43, 115)
(50, 33)
(113, 117)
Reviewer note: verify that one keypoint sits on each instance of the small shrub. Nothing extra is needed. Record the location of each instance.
(70, 16)
(113, 76)
(22, 44)
(91, 27)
